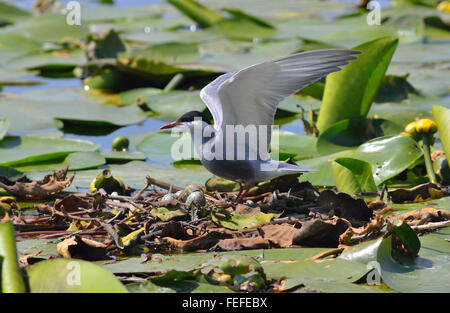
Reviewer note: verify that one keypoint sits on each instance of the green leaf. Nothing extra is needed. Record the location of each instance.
(4, 126)
(165, 214)
(353, 176)
(429, 272)
(168, 52)
(377, 152)
(238, 221)
(75, 161)
(204, 16)
(123, 156)
(254, 27)
(349, 93)
(169, 106)
(408, 237)
(71, 275)
(342, 135)
(11, 13)
(303, 147)
(323, 164)
(177, 286)
(11, 279)
(46, 247)
(39, 110)
(158, 145)
(133, 174)
(333, 275)
(385, 164)
(442, 117)
(31, 150)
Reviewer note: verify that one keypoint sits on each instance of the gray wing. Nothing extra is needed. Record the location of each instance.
(251, 95)
(210, 97)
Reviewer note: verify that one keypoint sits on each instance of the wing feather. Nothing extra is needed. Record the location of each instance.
(251, 96)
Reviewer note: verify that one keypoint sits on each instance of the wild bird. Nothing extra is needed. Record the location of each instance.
(243, 105)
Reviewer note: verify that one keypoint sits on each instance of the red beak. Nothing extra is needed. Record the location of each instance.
(169, 125)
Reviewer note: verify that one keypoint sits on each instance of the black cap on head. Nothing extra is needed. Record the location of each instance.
(193, 115)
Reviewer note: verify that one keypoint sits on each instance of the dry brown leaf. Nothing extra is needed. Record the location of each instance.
(37, 190)
(320, 233)
(281, 235)
(82, 248)
(419, 193)
(203, 242)
(72, 203)
(423, 216)
(234, 244)
(343, 205)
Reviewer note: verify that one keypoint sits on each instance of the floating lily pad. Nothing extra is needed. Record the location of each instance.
(70, 275)
(133, 174)
(429, 272)
(385, 164)
(123, 156)
(75, 161)
(29, 150)
(29, 114)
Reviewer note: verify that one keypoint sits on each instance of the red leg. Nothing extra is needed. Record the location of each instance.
(239, 194)
(241, 197)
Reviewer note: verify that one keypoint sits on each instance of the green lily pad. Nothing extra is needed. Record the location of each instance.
(157, 146)
(303, 147)
(133, 174)
(342, 135)
(168, 52)
(122, 156)
(46, 247)
(75, 161)
(27, 113)
(429, 272)
(353, 176)
(29, 150)
(323, 164)
(328, 275)
(386, 164)
(70, 275)
(167, 105)
(179, 286)
(12, 14)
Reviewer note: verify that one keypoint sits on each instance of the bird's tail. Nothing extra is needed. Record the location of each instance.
(291, 168)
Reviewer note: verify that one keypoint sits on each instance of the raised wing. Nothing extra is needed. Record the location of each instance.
(210, 97)
(251, 95)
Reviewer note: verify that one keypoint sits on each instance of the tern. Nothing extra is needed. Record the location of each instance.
(245, 102)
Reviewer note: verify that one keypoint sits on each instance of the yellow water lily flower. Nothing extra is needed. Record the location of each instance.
(444, 6)
(426, 126)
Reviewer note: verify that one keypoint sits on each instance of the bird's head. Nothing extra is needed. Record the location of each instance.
(188, 121)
